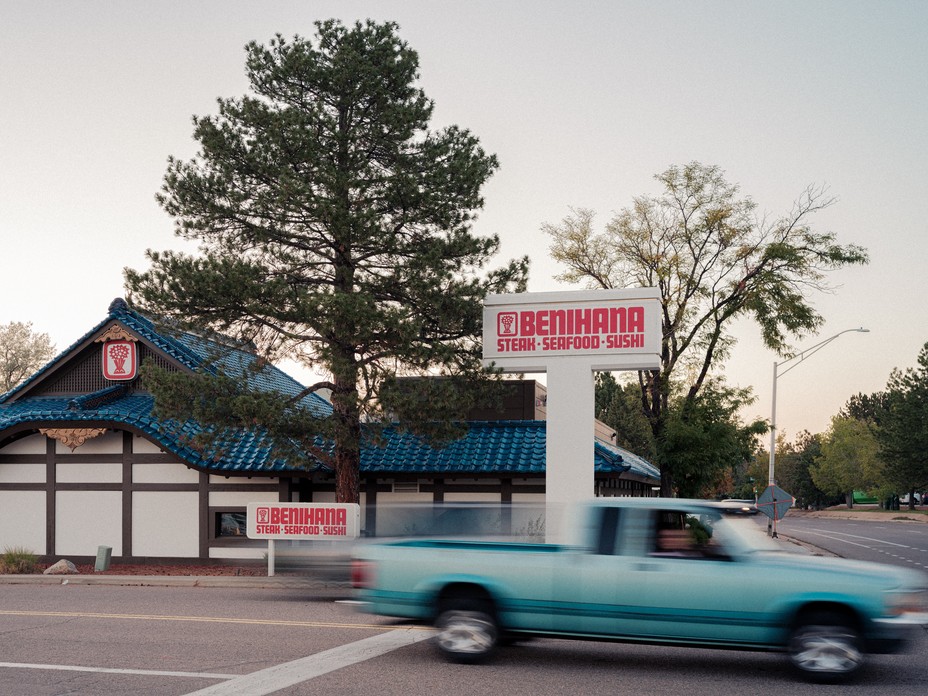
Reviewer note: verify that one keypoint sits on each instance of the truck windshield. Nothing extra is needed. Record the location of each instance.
(742, 535)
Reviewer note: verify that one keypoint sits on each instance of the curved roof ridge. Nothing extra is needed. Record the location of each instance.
(98, 397)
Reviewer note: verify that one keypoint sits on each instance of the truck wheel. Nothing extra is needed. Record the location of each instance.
(467, 631)
(826, 647)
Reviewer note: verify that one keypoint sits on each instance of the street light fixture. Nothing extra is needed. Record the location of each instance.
(808, 352)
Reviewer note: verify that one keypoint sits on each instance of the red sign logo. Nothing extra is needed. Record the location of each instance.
(507, 323)
(120, 360)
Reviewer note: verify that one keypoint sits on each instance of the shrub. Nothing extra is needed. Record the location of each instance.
(18, 561)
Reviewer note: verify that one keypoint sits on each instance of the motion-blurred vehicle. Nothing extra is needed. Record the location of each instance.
(331, 560)
(647, 570)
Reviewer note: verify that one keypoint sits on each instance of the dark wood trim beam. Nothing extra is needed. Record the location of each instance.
(204, 515)
(50, 497)
(127, 461)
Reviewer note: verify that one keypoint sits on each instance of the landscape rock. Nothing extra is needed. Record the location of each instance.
(62, 567)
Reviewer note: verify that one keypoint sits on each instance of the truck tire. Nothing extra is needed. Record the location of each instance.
(826, 648)
(467, 631)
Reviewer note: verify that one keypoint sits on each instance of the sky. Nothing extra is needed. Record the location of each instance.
(582, 102)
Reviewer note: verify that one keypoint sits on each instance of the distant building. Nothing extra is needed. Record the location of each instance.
(85, 463)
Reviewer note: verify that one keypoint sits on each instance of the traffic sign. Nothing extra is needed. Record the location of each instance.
(774, 502)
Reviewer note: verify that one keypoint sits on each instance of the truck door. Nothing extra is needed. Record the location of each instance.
(686, 587)
(587, 604)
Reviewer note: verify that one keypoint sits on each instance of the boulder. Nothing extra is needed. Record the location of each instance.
(62, 567)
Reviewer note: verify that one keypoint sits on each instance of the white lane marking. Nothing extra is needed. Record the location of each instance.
(113, 670)
(856, 536)
(841, 539)
(267, 681)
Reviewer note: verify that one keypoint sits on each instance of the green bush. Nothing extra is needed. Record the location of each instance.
(18, 561)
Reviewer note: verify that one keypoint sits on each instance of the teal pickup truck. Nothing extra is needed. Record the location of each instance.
(647, 570)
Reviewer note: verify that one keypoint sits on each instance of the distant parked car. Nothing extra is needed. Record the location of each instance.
(733, 506)
(904, 499)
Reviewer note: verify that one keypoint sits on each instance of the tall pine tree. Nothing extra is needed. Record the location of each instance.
(335, 228)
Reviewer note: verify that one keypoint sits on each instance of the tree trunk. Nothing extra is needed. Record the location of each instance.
(347, 474)
(666, 482)
(348, 435)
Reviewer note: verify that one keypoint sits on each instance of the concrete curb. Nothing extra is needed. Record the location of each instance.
(791, 545)
(284, 582)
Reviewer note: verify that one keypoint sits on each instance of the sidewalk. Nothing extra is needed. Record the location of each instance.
(791, 545)
(322, 588)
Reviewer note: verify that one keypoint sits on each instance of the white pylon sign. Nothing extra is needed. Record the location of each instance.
(569, 336)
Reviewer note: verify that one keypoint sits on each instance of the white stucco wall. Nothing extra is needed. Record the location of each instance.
(451, 497)
(85, 520)
(22, 520)
(33, 444)
(70, 472)
(165, 524)
(144, 446)
(241, 480)
(391, 498)
(236, 499)
(164, 473)
(22, 473)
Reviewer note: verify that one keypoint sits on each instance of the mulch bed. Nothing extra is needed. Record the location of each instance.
(175, 570)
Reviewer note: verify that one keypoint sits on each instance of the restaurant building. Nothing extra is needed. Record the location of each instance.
(84, 462)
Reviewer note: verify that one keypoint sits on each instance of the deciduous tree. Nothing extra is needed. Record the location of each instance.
(619, 407)
(707, 442)
(714, 261)
(22, 352)
(849, 459)
(794, 463)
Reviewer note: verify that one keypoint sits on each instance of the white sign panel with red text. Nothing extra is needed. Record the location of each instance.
(303, 521)
(605, 323)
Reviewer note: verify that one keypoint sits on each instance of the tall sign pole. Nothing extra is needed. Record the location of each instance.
(569, 336)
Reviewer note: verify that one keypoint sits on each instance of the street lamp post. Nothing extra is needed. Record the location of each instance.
(808, 352)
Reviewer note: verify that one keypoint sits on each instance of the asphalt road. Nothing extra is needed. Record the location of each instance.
(893, 542)
(170, 641)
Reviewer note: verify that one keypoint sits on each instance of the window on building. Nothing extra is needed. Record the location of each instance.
(231, 525)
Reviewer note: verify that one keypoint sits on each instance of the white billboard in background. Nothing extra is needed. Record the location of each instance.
(303, 521)
(613, 329)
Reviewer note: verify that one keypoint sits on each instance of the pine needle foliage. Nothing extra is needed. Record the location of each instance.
(334, 228)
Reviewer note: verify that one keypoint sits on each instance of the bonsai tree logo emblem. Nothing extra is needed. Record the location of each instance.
(119, 360)
(507, 324)
(119, 353)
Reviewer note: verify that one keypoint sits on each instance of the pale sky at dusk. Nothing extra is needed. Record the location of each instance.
(583, 103)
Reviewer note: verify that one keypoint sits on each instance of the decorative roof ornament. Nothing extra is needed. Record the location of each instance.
(115, 333)
(118, 306)
(72, 437)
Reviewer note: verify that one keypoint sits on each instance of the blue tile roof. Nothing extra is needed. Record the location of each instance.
(514, 448)
(488, 448)
(193, 352)
(241, 452)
